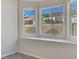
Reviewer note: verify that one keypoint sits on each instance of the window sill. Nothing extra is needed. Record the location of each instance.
(71, 41)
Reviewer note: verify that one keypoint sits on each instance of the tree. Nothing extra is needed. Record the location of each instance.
(47, 19)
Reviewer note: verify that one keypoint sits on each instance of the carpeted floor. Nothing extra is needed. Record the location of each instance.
(19, 56)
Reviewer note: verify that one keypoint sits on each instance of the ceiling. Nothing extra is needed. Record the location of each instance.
(47, 0)
(41, 3)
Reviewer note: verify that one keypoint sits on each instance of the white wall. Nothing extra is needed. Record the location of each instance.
(48, 50)
(9, 26)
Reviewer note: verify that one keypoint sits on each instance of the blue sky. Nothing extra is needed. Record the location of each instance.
(29, 12)
(44, 11)
(74, 4)
(59, 9)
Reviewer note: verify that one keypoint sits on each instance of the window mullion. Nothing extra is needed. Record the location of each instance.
(68, 21)
(38, 25)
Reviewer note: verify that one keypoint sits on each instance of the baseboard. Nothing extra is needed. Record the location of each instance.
(7, 54)
(39, 57)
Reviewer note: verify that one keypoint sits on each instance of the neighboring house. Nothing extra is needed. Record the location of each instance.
(74, 19)
(74, 16)
(58, 16)
(29, 20)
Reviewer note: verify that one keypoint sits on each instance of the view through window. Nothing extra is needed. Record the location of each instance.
(29, 21)
(74, 17)
(53, 21)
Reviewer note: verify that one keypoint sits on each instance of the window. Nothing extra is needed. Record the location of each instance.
(74, 17)
(52, 20)
(29, 21)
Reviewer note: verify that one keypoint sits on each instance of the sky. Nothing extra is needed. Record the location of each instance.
(74, 4)
(48, 10)
(28, 12)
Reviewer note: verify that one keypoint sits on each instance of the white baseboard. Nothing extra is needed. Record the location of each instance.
(7, 54)
(39, 57)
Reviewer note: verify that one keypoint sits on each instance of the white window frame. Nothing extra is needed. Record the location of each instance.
(36, 28)
(69, 36)
(72, 36)
(64, 27)
(39, 36)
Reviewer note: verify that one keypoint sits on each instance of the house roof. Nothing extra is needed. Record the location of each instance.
(30, 18)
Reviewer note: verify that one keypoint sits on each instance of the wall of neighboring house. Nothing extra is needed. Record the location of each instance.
(43, 49)
(9, 26)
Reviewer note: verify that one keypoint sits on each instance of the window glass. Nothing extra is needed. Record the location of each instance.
(46, 20)
(53, 21)
(29, 21)
(74, 17)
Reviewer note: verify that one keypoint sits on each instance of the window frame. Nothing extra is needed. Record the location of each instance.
(36, 28)
(69, 24)
(38, 35)
(64, 27)
(72, 36)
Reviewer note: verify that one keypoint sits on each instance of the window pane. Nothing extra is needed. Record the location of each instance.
(46, 20)
(74, 17)
(52, 21)
(29, 20)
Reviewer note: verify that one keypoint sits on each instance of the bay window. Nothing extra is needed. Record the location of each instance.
(56, 22)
